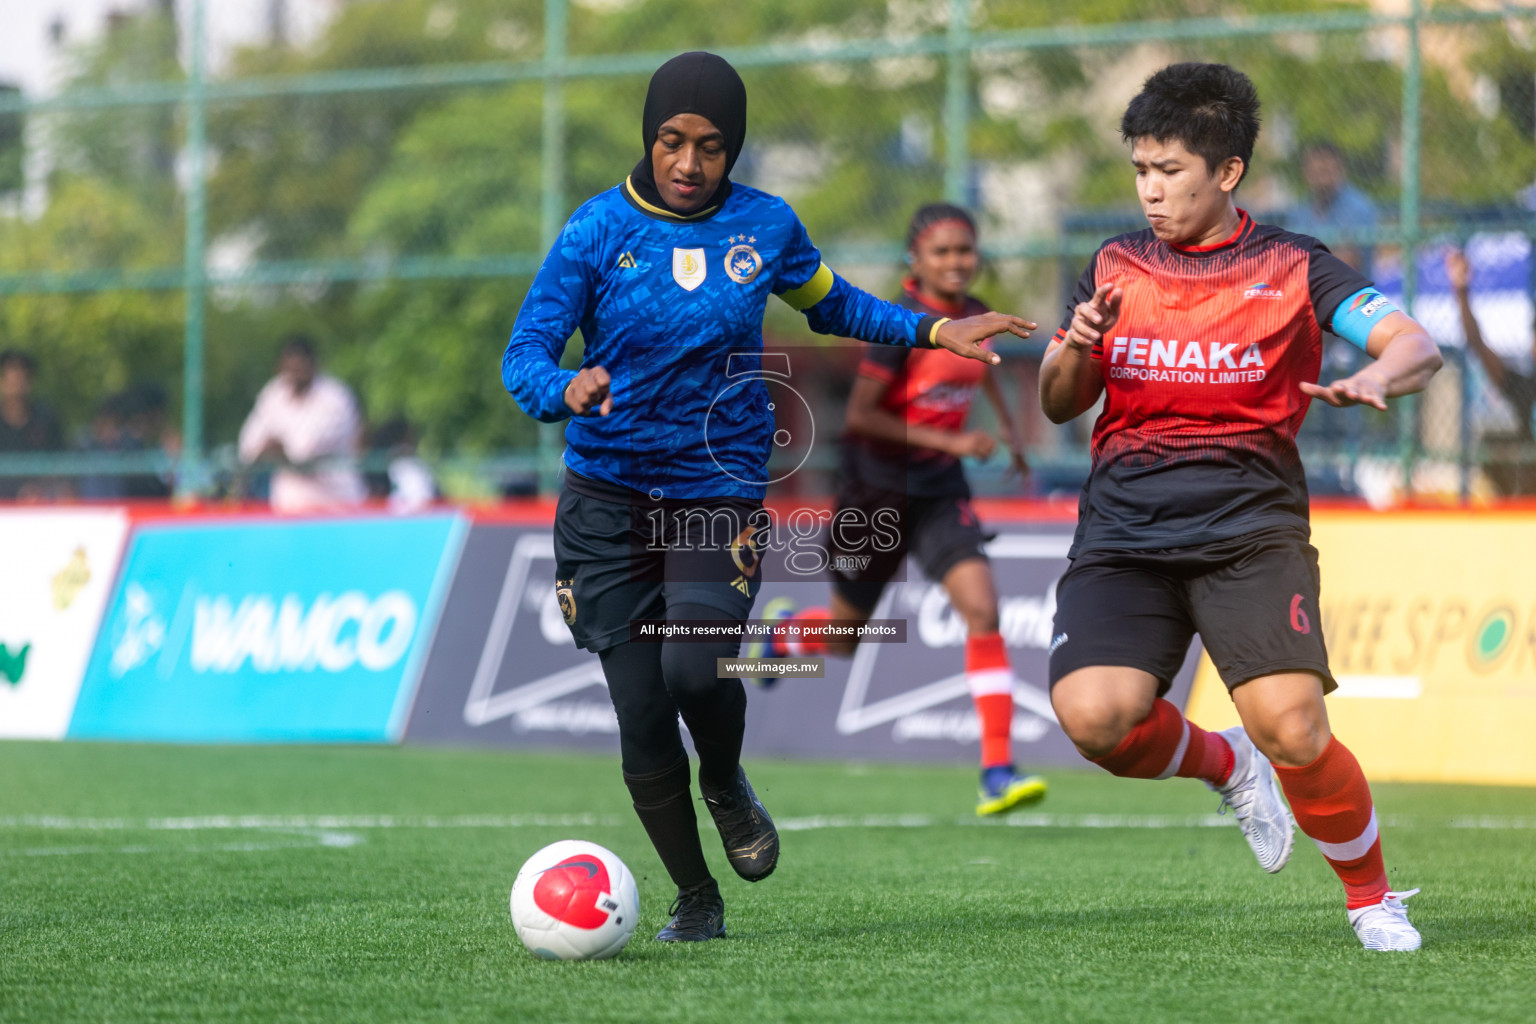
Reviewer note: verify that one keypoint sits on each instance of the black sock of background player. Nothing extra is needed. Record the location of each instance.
(714, 709)
(665, 806)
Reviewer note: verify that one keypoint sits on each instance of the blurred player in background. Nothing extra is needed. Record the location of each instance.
(905, 436)
(1194, 518)
(667, 276)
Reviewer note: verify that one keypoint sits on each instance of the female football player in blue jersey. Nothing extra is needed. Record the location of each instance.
(667, 276)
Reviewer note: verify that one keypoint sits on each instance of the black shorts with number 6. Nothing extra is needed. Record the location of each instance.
(1252, 599)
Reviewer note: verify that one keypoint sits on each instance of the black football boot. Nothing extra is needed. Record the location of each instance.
(698, 914)
(751, 841)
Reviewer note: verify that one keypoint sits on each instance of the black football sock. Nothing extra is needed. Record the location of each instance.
(665, 806)
(719, 744)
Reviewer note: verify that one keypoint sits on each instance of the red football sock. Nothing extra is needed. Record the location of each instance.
(1332, 804)
(990, 679)
(801, 645)
(1165, 744)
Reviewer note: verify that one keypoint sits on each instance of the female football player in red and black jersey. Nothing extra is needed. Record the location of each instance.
(1203, 335)
(900, 459)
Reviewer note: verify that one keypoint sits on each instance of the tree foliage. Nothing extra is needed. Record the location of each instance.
(378, 176)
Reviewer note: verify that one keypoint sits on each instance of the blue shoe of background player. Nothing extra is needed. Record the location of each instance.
(1003, 788)
(777, 610)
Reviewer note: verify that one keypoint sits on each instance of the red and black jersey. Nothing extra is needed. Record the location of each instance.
(1197, 438)
(932, 387)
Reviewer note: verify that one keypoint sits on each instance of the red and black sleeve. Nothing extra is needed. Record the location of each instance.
(1081, 292)
(1330, 281)
(883, 362)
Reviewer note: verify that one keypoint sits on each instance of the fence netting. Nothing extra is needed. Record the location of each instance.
(389, 182)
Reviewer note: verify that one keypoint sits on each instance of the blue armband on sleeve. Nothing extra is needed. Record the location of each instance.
(1359, 314)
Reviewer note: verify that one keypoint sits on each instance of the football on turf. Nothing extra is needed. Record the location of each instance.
(575, 900)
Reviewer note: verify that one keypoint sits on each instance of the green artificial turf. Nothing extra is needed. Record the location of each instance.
(109, 912)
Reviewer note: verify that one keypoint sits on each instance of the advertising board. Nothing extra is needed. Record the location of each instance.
(269, 630)
(56, 572)
(503, 670)
(1430, 620)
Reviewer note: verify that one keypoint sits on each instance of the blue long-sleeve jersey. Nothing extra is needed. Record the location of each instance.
(663, 303)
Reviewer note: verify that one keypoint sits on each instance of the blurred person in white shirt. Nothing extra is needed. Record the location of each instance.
(307, 423)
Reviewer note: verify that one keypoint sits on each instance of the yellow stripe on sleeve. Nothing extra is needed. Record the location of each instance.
(813, 291)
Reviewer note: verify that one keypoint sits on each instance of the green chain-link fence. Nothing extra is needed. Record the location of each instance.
(391, 186)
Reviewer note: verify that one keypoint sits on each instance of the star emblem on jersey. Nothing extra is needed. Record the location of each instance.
(688, 268)
(742, 263)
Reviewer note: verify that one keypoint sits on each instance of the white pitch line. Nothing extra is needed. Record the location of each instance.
(310, 839)
(307, 821)
(1492, 822)
(808, 823)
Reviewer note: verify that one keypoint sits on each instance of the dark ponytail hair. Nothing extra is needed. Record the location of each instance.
(935, 213)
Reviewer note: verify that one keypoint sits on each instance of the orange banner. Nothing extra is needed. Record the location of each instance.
(1430, 619)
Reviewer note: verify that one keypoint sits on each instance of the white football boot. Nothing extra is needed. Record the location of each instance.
(1253, 793)
(1384, 925)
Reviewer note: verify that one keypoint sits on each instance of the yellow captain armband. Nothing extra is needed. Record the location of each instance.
(813, 291)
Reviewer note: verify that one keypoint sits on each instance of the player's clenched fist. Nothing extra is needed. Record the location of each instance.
(587, 389)
(1092, 318)
(964, 337)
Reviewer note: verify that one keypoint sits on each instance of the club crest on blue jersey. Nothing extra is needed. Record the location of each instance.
(742, 263)
(688, 268)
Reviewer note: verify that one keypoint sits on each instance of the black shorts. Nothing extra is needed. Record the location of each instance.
(873, 530)
(1252, 599)
(620, 561)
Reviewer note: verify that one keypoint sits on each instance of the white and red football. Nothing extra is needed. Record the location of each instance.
(575, 900)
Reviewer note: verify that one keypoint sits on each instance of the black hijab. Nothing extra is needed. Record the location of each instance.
(693, 83)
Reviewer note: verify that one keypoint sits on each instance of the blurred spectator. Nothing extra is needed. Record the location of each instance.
(131, 421)
(307, 424)
(407, 484)
(106, 435)
(1510, 456)
(26, 425)
(1333, 203)
(147, 428)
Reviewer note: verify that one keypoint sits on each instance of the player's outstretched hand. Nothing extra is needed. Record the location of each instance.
(587, 389)
(1091, 319)
(964, 337)
(1458, 270)
(1364, 388)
